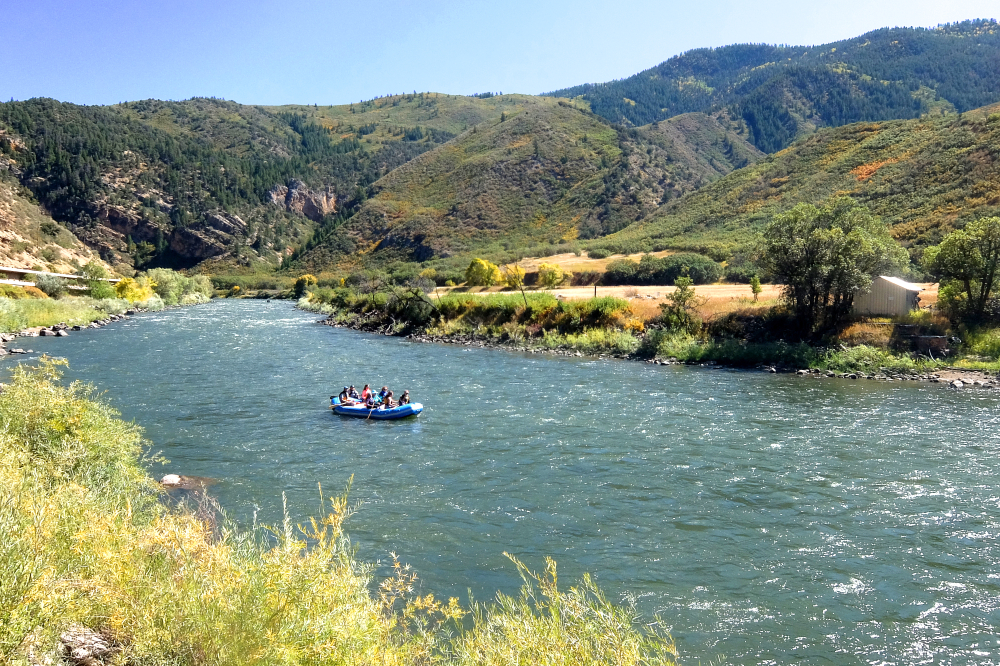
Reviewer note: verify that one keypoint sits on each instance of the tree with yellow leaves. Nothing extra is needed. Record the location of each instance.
(549, 275)
(135, 290)
(482, 273)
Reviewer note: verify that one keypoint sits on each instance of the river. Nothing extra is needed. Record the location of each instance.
(767, 518)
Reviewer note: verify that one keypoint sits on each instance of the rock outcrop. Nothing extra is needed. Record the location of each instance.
(295, 197)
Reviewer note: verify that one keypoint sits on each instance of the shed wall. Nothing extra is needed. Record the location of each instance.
(886, 298)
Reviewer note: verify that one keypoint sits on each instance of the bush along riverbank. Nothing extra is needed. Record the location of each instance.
(684, 329)
(94, 568)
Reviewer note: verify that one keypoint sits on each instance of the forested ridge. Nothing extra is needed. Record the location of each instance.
(775, 94)
(147, 170)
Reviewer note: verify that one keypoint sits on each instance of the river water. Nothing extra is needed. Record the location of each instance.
(767, 518)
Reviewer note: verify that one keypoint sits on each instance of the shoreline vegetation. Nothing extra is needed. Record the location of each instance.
(94, 566)
(821, 256)
(26, 311)
(737, 332)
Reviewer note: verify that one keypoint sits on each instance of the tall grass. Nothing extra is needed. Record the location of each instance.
(83, 540)
(19, 314)
(983, 342)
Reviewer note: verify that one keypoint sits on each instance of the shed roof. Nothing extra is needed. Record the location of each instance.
(909, 286)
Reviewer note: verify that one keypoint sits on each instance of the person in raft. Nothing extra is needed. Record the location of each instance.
(387, 401)
(370, 402)
(352, 393)
(383, 393)
(405, 398)
(345, 396)
(366, 392)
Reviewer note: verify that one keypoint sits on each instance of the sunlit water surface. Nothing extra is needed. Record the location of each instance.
(767, 518)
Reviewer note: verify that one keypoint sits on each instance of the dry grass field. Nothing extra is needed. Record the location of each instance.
(572, 263)
(713, 299)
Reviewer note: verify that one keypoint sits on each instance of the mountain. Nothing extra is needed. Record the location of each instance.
(925, 177)
(177, 183)
(774, 95)
(546, 172)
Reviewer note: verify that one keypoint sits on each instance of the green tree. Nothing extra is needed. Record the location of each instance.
(97, 282)
(482, 273)
(755, 287)
(967, 263)
(680, 312)
(824, 256)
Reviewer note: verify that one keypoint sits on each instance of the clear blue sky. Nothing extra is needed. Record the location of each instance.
(332, 52)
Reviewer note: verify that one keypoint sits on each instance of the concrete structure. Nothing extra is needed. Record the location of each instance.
(19, 273)
(888, 297)
(15, 276)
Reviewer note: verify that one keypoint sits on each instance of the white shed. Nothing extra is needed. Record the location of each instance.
(888, 296)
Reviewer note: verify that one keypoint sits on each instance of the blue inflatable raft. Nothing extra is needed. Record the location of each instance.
(383, 414)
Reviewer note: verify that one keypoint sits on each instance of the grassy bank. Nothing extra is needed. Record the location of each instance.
(30, 307)
(84, 540)
(22, 313)
(737, 332)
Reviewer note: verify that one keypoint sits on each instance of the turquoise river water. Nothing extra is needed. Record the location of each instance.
(767, 518)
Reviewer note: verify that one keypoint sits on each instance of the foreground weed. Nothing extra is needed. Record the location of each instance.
(84, 540)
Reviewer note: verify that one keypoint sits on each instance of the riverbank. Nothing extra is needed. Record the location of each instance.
(91, 560)
(618, 328)
(943, 374)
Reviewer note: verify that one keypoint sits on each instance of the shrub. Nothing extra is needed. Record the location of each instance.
(482, 273)
(513, 276)
(50, 285)
(678, 312)
(13, 291)
(653, 271)
(100, 290)
(599, 253)
(303, 283)
(550, 275)
(135, 290)
(740, 270)
(11, 317)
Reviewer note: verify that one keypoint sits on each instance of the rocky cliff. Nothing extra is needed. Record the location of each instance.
(295, 197)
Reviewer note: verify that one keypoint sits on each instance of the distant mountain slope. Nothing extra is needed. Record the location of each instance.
(925, 177)
(546, 171)
(178, 183)
(776, 94)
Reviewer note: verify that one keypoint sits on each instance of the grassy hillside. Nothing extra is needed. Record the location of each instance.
(777, 94)
(924, 176)
(545, 172)
(31, 239)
